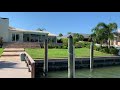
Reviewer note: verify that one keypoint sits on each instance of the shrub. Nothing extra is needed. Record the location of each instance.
(96, 48)
(65, 41)
(85, 44)
(64, 47)
(51, 46)
(59, 47)
(106, 50)
(56, 46)
(101, 50)
(113, 51)
(78, 45)
(75, 40)
(110, 50)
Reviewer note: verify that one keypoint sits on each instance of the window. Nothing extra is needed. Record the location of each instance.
(43, 36)
(17, 37)
(28, 39)
(13, 37)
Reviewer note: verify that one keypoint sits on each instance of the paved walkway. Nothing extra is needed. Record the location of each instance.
(11, 66)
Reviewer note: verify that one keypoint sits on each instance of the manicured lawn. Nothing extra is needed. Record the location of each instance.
(62, 53)
(1, 51)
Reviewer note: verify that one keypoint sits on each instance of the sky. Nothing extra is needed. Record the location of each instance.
(60, 22)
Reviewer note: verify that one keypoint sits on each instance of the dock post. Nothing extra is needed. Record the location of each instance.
(45, 68)
(71, 60)
(91, 54)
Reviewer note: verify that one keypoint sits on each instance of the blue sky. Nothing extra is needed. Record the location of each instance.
(60, 22)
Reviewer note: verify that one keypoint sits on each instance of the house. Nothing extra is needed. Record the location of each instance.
(11, 34)
(86, 36)
(116, 40)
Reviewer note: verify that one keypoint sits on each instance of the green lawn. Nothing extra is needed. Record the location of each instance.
(62, 53)
(1, 51)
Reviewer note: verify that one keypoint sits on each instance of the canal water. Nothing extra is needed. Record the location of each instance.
(102, 72)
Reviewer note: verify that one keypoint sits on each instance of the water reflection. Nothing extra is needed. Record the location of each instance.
(102, 72)
(90, 73)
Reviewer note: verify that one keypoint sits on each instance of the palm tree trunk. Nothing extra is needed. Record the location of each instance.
(108, 43)
(100, 43)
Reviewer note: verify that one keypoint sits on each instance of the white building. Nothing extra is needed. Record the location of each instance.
(11, 34)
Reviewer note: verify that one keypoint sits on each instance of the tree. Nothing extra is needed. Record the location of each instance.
(112, 27)
(69, 33)
(103, 32)
(60, 34)
(41, 29)
(99, 33)
(65, 41)
(75, 39)
(78, 37)
(81, 37)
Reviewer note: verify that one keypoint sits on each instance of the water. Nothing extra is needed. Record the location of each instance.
(103, 72)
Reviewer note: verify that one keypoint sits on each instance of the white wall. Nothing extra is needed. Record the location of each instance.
(21, 37)
(4, 24)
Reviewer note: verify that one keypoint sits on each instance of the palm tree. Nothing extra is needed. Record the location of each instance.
(92, 37)
(104, 32)
(99, 33)
(112, 27)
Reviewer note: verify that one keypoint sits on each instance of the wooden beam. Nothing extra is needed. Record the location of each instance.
(71, 59)
(46, 57)
(91, 55)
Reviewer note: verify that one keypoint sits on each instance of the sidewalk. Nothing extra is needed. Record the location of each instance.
(11, 66)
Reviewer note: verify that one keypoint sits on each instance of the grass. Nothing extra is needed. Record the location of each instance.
(1, 51)
(62, 53)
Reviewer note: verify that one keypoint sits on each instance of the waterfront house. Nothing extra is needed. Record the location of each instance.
(12, 34)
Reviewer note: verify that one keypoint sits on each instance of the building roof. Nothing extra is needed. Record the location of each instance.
(116, 34)
(3, 18)
(85, 35)
(10, 28)
(50, 34)
(34, 31)
(22, 30)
